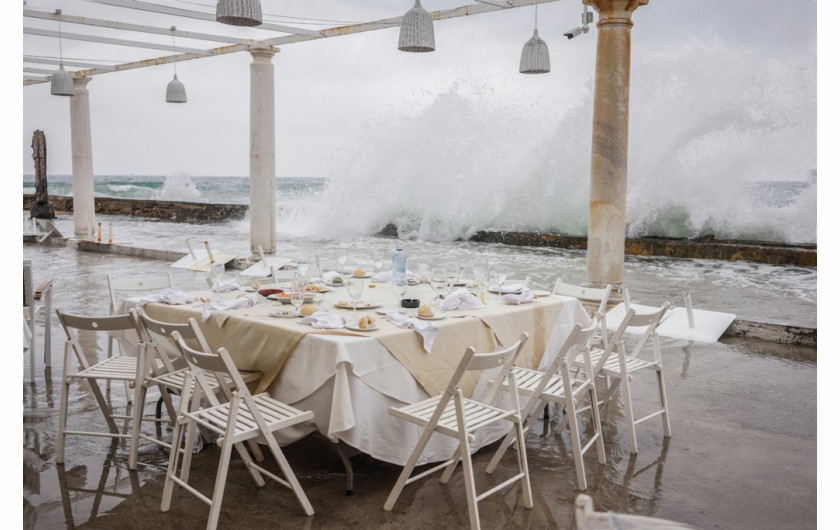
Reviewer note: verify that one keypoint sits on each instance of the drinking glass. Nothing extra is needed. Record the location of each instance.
(355, 288)
(303, 270)
(437, 281)
(217, 271)
(423, 268)
(501, 276)
(342, 259)
(453, 274)
(378, 261)
(399, 290)
(298, 293)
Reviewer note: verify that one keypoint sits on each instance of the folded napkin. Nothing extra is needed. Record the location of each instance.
(169, 296)
(241, 302)
(427, 330)
(224, 287)
(461, 299)
(512, 288)
(323, 320)
(516, 299)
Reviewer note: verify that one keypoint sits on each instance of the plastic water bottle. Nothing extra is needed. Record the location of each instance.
(399, 265)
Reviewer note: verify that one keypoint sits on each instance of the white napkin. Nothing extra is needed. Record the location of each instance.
(224, 287)
(169, 296)
(244, 301)
(427, 330)
(461, 299)
(516, 299)
(323, 320)
(512, 288)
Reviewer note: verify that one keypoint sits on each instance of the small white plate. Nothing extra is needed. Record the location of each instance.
(361, 304)
(321, 289)
(355, 327)
(350, 276)
(284, 314)
(540, 292)
(385, 311)
(503, 290)
(288, 299)
(437, 316)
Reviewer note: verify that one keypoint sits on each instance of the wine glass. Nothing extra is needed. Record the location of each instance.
(501, 276)
(217, 270)
(342, 259)
(303, 269)
(399, 290)
(355, 288)
(298, 293)
(423, 268)
(437, 281)
(378, 261)
(453, 274)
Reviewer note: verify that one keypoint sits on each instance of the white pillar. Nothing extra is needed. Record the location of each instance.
(84, 211)
(610, 124)
(263, 177)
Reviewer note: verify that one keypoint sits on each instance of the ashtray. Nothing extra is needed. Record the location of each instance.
(410, 302)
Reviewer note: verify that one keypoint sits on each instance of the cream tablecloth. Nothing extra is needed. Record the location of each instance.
(349, 379)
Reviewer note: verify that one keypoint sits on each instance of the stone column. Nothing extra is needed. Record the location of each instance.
(608, 180)
(263, 171)
(84, 210)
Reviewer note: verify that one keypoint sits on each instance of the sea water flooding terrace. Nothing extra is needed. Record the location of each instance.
(738, 423)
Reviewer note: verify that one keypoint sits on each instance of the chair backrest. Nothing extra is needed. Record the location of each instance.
(590, 294)
(577, 341)
(100, 324)
(155, 333)
(220, 364)
(633, 319)
(128, 285)
(472, 361)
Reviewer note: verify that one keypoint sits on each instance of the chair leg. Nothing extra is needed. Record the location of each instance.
(511, 436)
(574, 428)
(666, 421)
(136, 421)
(174, 456)
(409, 467)
(596, 419)
(289, 474)
(628, 413)
(469, 481)
(48, 332)
(527, 496)
(62, 415)
(219, 487)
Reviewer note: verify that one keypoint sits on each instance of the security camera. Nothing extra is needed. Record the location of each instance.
(574, 32)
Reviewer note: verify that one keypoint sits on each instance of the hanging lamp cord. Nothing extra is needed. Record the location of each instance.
(174, 63)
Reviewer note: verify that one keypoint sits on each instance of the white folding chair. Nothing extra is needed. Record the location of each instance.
(132, 286)
(556, 385)
(614, 363)
(114, 368)
(453, 415)
(244, 417)
(37, 301)
(586, 518)
(589, 294)
(168, 370)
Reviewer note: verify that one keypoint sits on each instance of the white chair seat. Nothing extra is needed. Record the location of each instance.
(277, 415)
(174, 381)
(117, 368)
(528, 381)
(612, 366)
(476, 415)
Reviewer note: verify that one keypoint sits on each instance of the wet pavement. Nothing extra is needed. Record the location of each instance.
(743, 454)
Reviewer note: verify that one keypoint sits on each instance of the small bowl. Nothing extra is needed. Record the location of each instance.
(268, 292)
(410, 302)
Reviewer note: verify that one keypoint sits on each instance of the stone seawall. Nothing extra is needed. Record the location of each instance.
(154, 209)
(705, 248)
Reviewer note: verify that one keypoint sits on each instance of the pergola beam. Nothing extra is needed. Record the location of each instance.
(78, 64)
(155, 8)
(112, 24)
(110, 40)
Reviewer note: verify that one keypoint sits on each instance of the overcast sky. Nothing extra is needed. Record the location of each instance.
(330, 92)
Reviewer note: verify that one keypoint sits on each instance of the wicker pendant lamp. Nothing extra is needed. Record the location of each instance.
(61, 84)
(534, 58)
(239, 12)
(417, 33)
(175, 91)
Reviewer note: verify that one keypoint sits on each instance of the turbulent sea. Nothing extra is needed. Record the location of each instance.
(750, 290)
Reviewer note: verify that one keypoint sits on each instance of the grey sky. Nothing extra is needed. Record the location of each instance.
(330, 92)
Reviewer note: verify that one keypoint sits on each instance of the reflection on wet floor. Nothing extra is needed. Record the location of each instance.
(743, 416)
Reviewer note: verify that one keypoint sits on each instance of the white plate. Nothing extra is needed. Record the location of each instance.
(437, 316)
(323, 289)
(355, 327)
(284, 314)
(503, 290)
(350, 276)
(540, 292)
(385, 311)
(288, 300)
(361, 304)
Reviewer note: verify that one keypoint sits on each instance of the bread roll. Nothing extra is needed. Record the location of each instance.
(425, 311)
(308, 309)
(359, 273)
(367, 322)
